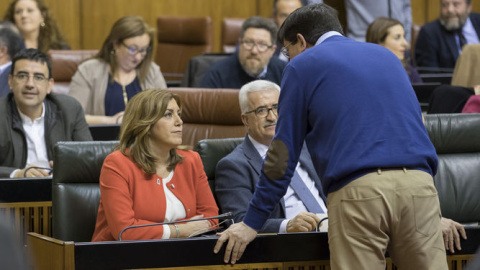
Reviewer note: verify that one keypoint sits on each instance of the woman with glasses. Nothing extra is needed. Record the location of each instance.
(36, 25)
(390, 34)
(122, 68)
(148, 180)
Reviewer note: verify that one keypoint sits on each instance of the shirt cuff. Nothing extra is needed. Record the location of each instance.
(13, 173)
(283, 226)
(166, 232)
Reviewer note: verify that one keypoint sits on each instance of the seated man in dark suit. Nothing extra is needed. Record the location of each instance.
(33, 119)
(440, 42)
(253, 59)
(10, 44)
(238, 173)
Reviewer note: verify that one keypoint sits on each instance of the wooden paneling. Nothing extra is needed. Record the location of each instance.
(28, 217)
(97, 22)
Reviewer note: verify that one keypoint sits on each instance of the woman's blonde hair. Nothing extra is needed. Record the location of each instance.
(124, 28)
(141, 113)
(50, 36)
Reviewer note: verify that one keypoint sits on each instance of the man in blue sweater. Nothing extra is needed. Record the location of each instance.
(353, 104)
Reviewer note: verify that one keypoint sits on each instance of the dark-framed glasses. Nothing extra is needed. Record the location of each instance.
(37, 78)
(249, 44)
(263, 111)
(285, 51)
(134, 50)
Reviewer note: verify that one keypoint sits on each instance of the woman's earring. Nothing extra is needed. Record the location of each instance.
(112, 52)
(42, 24)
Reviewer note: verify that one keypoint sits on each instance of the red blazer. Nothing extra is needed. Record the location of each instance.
(129, 196)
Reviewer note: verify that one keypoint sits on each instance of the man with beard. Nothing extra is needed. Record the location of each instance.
(253, 59)
(440, 42)
(237, 174)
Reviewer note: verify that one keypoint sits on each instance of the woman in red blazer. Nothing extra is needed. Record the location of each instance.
(147, 180)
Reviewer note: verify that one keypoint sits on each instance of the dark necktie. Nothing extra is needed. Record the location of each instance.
(305, 195)
(461, 38)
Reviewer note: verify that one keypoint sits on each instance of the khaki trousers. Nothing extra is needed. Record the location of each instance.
(391, 210)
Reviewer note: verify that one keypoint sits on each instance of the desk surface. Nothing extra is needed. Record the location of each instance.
(25, 190)
(199, 251)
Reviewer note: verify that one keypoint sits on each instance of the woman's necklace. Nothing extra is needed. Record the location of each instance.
(125, 98)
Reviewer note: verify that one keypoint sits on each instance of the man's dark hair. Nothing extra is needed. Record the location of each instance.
(11, 40)
(262, 23)
(33, 55)
(311, 21)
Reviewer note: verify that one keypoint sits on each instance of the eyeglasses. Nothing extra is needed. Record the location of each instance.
(285, 51)
(261, 47)
(37, 78)
(133, 50)
(263, 111)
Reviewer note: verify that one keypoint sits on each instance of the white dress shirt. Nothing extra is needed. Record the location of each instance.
(35, 137)
(174, 209)
(469, 33)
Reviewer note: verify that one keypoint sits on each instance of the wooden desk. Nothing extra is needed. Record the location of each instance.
(282, 251)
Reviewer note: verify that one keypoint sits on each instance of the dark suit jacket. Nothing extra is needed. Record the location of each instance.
(236, 176)
(437, 47)
(64, 121)
(4, 88)
(228, 73)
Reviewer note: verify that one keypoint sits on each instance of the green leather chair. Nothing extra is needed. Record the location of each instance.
(211, 151)
(456, 138)
(75, 188)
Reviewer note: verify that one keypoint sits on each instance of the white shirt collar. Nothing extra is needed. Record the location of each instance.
(26, 119)
(327, 35)
(261, 148)
(5, 66)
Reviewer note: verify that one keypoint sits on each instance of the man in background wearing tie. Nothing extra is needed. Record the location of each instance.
(440, 42)
(237, 174)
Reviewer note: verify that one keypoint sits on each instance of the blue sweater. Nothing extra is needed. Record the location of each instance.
(353, 104)
(228, 73)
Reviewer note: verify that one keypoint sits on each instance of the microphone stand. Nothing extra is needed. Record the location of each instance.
(227, 215)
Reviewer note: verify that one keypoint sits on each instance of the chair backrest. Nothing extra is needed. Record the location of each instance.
(180, 39)
(209, 114)
(456, 140)
(466, 72)
(75, 188)
(211, 151)
(197, 67)
(231, 28)
(65, 64)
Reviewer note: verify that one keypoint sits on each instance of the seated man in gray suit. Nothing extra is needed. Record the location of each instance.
(238, 172)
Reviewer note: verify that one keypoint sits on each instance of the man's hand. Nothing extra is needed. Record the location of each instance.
(239, 235)
(450, 233)
(31, 172)
(303, 222)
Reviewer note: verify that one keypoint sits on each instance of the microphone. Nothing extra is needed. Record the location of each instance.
(224, 216)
